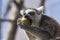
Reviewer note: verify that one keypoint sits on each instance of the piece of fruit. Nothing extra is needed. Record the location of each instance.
(24, 21)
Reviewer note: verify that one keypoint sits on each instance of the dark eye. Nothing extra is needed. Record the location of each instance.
(31, 13)
(24, 13)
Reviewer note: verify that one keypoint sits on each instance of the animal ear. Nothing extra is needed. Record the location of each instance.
(40, 9)
(21, 12)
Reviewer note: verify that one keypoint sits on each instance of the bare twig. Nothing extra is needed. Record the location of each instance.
(42, 3)
(12, 26)
(6, 20)
(7, 7)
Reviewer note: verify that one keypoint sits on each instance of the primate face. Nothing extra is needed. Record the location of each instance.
(30, 14)
(33, 15)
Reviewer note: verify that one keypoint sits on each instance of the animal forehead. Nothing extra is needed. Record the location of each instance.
(29, 10)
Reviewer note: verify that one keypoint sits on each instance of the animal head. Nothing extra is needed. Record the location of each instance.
(34, 15)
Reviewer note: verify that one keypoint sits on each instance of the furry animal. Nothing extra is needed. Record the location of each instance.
(40, 26)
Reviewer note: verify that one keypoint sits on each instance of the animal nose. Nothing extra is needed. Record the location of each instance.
(26, 16)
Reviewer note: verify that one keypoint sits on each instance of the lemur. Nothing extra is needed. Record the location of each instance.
(40, 26)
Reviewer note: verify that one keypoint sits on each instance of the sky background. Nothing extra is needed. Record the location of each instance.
(0, 8)
(52, 9)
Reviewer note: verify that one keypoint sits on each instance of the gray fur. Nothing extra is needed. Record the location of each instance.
(43, 27)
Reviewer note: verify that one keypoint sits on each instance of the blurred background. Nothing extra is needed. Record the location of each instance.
(10, 13)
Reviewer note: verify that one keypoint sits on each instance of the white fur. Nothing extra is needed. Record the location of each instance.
(40, 8)
(35, 19)
(29, 10)
(21, 12)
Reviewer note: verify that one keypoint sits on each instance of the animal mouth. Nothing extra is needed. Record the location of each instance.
(30, 20)
(24, 20)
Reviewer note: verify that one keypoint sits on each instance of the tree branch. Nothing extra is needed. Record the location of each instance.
(6, 20)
